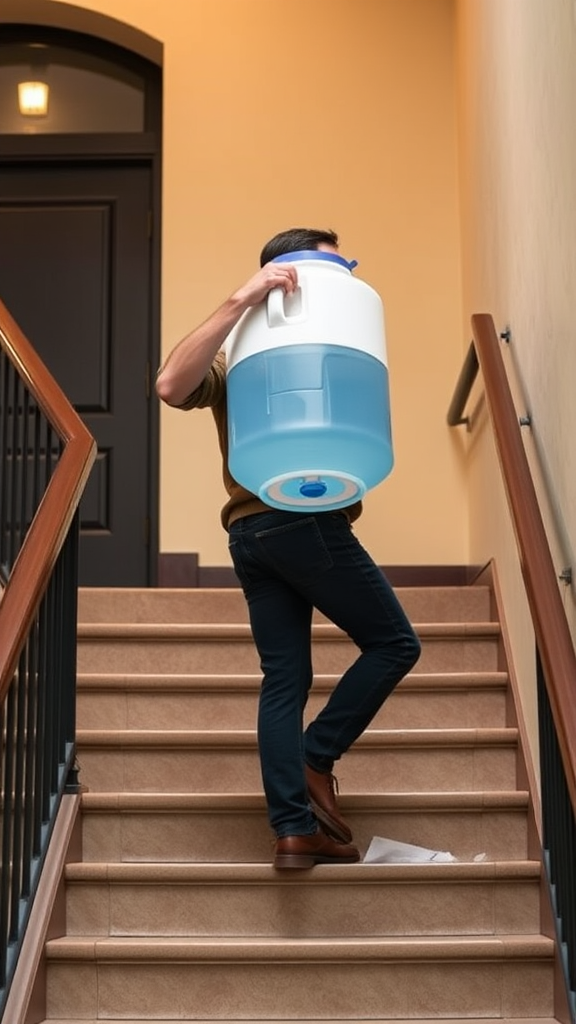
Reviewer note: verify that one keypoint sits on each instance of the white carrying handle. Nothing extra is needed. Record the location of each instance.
(277, 301)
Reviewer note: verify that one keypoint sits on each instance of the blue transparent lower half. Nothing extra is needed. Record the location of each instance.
(309, 425)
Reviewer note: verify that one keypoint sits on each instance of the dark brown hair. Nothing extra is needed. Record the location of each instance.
(294, 240)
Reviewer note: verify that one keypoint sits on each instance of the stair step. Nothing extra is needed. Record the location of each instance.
(300, 978)
(161, 701)
(220, 648)
(213, 604)
(330, 901)
(211, 760)
(232, 828)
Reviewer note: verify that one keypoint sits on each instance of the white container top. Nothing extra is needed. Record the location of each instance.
(329, 307)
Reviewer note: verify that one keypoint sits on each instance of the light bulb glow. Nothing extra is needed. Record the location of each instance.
(33, 99)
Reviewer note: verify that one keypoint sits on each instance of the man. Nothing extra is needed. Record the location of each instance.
(289, 563)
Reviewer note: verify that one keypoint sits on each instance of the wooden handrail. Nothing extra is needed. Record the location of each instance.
(36, 559)
(548, 616)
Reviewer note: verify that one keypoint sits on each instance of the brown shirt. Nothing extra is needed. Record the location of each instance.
(211, 393)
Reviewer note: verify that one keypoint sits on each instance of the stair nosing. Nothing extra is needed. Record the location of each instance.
(246, 738)
(171, 631)
(239, 873)
(144, 948)
(247, 682)
(470, 800)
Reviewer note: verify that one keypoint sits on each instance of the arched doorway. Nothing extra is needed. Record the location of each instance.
(80, 259)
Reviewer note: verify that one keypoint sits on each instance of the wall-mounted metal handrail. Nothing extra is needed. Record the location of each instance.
(463, 388)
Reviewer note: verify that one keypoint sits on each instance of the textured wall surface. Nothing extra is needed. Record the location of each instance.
(517, 82)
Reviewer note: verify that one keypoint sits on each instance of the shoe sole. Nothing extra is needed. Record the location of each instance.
(300, 861)
(331, 827)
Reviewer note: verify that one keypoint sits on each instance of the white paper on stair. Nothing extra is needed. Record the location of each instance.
(390, 851)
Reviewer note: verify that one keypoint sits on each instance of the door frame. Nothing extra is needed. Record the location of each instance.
(112, 148)
(91, 32)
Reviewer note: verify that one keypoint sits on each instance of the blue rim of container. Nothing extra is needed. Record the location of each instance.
(315, 254)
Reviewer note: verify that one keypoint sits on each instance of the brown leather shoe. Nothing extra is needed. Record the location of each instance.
(322, 794)
(306, 851)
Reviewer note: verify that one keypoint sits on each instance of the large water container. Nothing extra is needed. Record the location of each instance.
(308, 396)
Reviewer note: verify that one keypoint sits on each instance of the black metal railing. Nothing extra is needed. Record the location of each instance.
(37, 762)
(555, 655)
(558, 835)
(45, 459)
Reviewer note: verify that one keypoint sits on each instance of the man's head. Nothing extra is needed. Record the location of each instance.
(296, 239)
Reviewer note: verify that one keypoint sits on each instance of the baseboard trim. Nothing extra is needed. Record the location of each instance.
(184, 570)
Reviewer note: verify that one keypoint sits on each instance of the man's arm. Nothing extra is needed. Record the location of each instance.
(188, 363)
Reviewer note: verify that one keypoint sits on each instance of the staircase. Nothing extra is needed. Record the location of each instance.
(175, 912)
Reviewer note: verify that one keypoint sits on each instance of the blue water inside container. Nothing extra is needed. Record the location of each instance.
(309, 425)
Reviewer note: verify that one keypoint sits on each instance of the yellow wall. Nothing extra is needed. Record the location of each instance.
(336, 113)
(517, 83)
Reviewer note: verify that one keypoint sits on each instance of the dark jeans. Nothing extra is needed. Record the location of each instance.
(287, 564)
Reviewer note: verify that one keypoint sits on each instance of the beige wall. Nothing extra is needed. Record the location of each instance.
(341, 113)
(517, 83)
(337, 113)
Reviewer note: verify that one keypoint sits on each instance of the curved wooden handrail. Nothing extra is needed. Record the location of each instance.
(548, 616)
(33, 566)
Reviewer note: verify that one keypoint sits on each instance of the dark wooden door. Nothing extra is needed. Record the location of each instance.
(75, 273)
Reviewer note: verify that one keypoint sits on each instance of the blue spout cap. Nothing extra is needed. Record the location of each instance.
(313, 489)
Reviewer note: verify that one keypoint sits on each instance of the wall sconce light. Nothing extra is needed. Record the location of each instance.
(33, 99)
